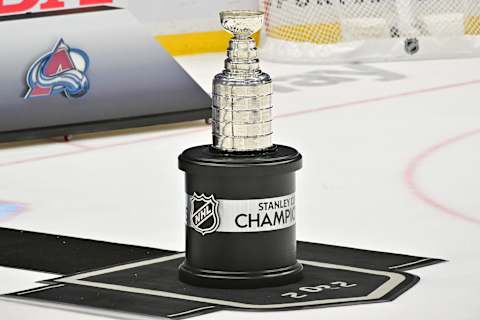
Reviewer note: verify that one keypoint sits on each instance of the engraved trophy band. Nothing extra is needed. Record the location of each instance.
(242, 93)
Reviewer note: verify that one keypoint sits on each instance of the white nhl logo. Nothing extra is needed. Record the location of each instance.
(204, 216)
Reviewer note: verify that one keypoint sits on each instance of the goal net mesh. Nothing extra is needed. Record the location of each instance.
(323, 31)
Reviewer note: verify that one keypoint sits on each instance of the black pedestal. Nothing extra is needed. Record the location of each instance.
(240, 218)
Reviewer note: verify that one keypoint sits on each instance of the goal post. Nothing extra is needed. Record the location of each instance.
(331, 31)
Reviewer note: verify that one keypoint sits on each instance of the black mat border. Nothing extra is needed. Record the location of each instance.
(103, 312)
(409, 281)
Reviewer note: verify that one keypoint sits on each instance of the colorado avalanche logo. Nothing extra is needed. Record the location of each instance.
(61, 70)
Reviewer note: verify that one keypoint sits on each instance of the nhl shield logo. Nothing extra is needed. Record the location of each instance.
(412, 46)
(204, 216)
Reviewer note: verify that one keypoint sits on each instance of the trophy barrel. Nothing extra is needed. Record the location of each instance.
(255, 244)
(240, 190)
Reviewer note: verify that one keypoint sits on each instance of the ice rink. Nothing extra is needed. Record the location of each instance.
(391, 163)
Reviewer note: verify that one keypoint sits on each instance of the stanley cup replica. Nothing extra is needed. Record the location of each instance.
(240, 190)
(242, 94)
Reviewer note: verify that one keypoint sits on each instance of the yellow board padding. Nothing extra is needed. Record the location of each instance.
(472, 26)
(328, 33)
(320, 33)
(197, 42)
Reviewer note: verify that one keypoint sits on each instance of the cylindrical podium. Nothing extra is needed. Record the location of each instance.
(240, 225)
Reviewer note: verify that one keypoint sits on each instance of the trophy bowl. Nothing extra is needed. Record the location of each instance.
(241, 23)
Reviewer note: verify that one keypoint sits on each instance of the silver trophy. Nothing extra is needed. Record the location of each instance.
(240, 191)
(242, 93)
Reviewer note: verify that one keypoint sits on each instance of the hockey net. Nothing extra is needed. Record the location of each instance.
(326, 31)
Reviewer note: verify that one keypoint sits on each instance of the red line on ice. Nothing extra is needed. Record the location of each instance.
(414, 165)
(90, 149)
(77, 145)
(284, 115)
(69, 143)
(382, 98)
